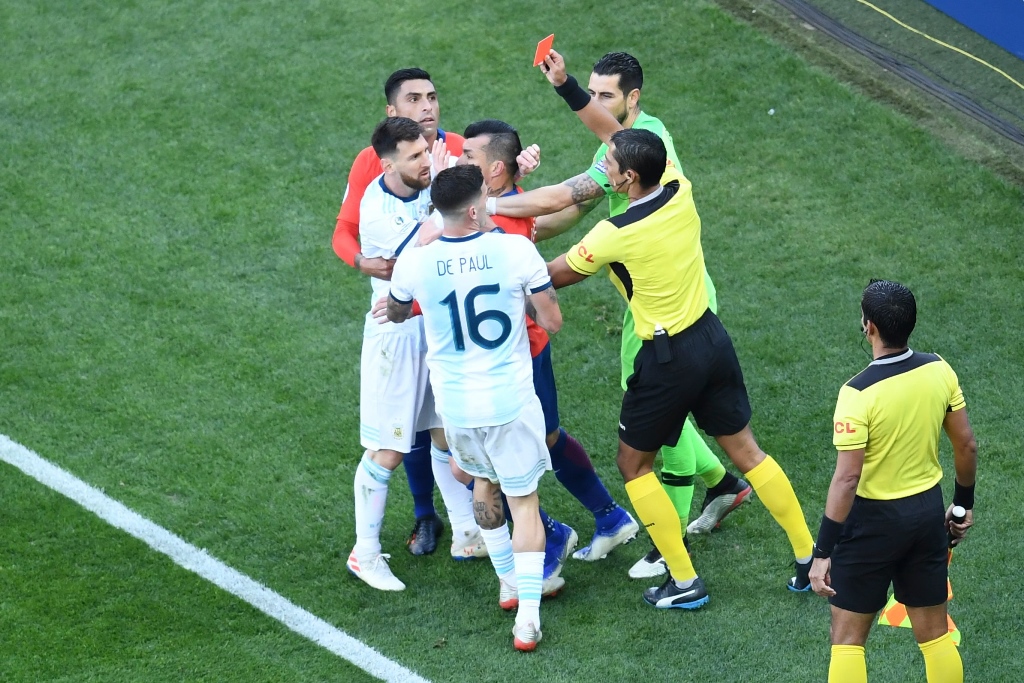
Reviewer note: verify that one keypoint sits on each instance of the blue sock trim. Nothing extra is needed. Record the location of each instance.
(439, 455)
(529, 587)
(505, 563)
(378, 473)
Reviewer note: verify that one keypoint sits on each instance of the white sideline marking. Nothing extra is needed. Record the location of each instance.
(200, 562)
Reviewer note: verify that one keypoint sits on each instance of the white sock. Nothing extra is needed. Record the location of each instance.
(499, 547)
(530, 575)
(371, 494)
(458, 500)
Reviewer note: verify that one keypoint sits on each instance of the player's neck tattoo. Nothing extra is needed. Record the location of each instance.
(497, 192)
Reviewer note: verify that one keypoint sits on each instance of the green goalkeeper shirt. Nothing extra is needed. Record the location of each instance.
(618, 203)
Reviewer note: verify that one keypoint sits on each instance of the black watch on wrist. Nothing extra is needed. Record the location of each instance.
(820, 554)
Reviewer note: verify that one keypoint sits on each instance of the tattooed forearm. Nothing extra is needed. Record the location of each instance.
(587, 206)
(584, 188)
(398, 312)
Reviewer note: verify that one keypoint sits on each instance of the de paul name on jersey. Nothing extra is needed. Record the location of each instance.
(466, 264)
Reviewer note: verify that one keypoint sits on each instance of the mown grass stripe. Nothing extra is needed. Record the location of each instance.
(202, 563)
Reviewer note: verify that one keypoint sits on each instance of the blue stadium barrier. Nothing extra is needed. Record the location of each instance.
(1001, 21)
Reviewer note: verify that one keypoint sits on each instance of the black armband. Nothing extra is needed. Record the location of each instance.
(575, 96)
(963, 495)
(828, 536)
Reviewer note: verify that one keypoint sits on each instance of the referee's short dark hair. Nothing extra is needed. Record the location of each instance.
(391, 131)
(456, 188)
(892, 308)
(503, 142)
(395, 81)
(641, 151)
(623, 65)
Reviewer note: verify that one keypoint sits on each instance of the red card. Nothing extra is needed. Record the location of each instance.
(543, 48)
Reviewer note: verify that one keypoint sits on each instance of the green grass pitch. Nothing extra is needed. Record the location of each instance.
(175, 330)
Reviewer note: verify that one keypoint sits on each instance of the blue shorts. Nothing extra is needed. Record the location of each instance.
(544, 385)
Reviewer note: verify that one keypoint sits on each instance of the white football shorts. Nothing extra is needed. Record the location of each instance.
(395, 400)
(512, 455)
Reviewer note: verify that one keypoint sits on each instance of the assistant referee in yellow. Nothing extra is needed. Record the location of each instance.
(687, 363)
(884, 518)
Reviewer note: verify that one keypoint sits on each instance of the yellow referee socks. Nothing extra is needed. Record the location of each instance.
(773, 488)
(848, 665)
(654, 508)
(942, 662)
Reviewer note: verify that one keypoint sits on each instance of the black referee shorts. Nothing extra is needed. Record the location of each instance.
(702, 377)
(900, 541)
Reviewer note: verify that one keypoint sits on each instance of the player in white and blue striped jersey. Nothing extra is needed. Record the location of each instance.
(395, 400)
(474, 288)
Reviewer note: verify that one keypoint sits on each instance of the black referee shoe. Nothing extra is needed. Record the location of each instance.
(670, 596)
(801, 583)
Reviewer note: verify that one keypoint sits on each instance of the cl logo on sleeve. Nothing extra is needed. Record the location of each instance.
(845, 428)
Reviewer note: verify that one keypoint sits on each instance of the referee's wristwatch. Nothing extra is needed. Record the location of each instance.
(820, 554)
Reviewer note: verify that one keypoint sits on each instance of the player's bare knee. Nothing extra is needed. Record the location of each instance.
(387, 459)
(742, 449)
(438, 438)
(633, 464)
(460, 475)
(928, 623)
(849, 628)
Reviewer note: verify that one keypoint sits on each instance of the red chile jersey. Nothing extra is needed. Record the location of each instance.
(527, 227)
(365, 169)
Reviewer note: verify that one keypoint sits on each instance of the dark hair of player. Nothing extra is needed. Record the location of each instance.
(641, 151)
(623, 65)
(391, 131)
(503, 145)
(454, 189)
(395, 81)
(893, 309)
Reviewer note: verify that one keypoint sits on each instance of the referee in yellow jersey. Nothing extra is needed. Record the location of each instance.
(686, 363)
(884, 518)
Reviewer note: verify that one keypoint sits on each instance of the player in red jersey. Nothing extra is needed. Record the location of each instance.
(409, 93)
(494, 146)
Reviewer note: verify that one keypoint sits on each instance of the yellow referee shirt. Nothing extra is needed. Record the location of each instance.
(654, 254)
(894, 409)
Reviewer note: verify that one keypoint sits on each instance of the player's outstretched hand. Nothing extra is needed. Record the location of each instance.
(379, 268)
(379, 311)
(821, 582)
(554, 68)
(528, 161)
(440, 156)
